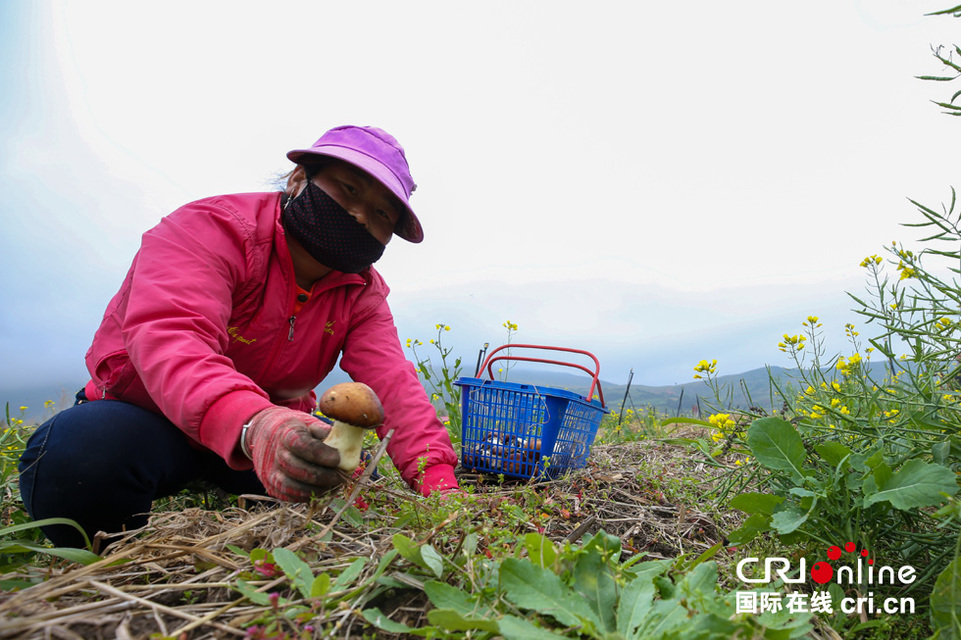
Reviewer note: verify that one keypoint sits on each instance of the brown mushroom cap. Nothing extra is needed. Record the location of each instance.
(353, 403)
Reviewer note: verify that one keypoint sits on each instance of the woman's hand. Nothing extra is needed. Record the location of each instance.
(289, 454)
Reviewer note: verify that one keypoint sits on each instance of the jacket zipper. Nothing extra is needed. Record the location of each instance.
(288, 264)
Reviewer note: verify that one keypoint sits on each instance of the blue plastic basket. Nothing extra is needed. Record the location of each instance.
(527, 431)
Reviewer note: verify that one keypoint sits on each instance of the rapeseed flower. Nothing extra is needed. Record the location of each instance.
(710, 368)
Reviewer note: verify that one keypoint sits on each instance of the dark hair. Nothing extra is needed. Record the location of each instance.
(311, 168)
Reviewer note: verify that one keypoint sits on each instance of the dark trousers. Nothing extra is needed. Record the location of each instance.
(103, 463)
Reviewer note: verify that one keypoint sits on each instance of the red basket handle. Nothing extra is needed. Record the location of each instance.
(595, 382)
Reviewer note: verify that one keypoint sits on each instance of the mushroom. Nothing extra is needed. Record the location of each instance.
(354, 408)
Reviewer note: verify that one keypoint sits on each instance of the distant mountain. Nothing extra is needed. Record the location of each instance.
(742, 390)
(751, 387)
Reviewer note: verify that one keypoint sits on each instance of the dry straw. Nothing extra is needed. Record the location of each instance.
(175, 576)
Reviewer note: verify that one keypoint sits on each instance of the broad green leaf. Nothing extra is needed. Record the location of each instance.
(637, 598)
(353, 516)
(250, 592)
(425, 557)
(916, 484)
(669, 614)
(665, 587)
(604, 542)
(594, 580)
(15, 584)
(875, 460)
(296, 570)
(762, 503)
(869, 486)
(941, 451)
(433, 559)
(349, 574)
(453, 621)
(514, 628)
(80, 556)
(794, 624)
(777, 446)
(700, 580)
(832, 452)
(758, 523)
(406, 548)
(377, 618)
(946, 602)
(238, 551)
(538, 589)
(445, 596)
(664, 617)
(882, 474)
(715, 625)
(789, 520)
(320, 586)
(540, 549)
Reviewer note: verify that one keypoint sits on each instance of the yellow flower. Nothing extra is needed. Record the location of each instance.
(23, 408)
(706, 367)
(835, 386)
(722, 422)
(906, 271)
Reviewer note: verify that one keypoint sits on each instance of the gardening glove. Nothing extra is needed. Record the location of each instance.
(289, 454)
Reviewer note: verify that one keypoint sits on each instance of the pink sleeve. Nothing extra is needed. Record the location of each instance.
(373, 355)
(178, 305)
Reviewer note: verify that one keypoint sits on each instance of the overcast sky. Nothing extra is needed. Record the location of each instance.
(654, 182)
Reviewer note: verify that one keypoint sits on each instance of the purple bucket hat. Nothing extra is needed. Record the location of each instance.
(379, 154)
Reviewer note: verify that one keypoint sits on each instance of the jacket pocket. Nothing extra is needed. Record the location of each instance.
(114, 373)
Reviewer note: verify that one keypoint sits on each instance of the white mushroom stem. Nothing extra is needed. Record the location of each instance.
(349, 440)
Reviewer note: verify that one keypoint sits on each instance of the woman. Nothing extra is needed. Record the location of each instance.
(233, 310)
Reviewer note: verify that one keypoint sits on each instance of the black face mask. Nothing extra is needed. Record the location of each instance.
(329, 234)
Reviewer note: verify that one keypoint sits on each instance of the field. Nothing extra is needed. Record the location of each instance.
(376, 553)
(815, 501)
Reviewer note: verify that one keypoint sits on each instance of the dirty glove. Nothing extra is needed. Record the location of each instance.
(289, 454)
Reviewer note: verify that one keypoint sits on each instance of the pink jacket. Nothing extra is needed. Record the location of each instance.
(204, 331)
